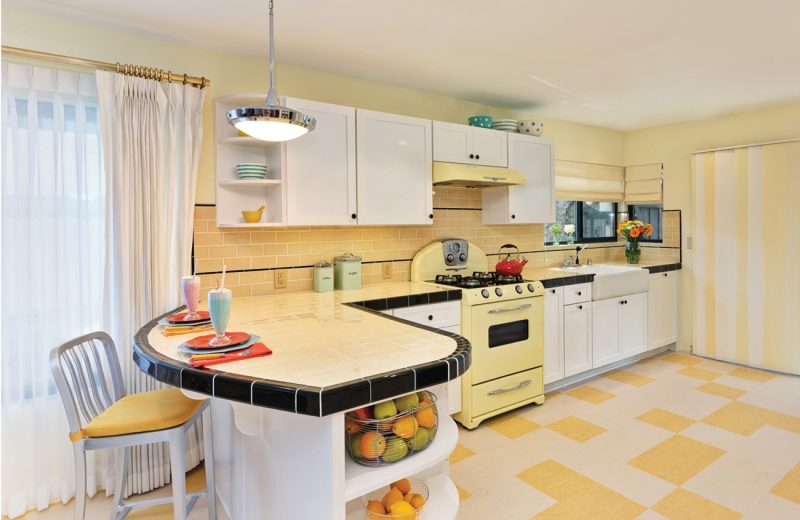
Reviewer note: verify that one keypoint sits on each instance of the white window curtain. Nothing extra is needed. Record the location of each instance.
(52, 271)
(151, 135)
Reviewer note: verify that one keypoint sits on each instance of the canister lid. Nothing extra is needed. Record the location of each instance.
(347, 257)
(324, 263)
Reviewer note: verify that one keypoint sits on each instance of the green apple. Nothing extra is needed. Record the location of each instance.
(355, 448)
(385, 410)
(406, 402)
(419, 441)
(396, 449)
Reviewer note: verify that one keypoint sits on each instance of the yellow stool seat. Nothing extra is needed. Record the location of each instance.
(144, 412)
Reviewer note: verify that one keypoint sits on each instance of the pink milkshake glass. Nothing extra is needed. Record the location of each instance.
(190, 285)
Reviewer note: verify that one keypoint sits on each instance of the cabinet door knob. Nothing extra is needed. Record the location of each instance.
(353, 215)
(430, 317)
(513, 216)
(579, 293)
(430, 215)
(471, 156)
(553, 291)
(580, 307)
(665, 274)
(477, 156)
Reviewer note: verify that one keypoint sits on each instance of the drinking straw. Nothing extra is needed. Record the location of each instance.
(224, 268)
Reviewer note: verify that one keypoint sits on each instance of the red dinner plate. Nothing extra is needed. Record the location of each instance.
(178, 318)
(237, 338)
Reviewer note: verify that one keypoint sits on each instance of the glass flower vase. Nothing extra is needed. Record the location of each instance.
(632, 252)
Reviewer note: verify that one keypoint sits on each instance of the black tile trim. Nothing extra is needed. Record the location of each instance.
(663, 268)
(567, 280)
(309, 400)
(399, 302)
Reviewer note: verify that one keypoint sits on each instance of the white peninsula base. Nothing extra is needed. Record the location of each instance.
(276, 465)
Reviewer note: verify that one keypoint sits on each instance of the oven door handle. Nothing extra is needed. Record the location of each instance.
(520, 308)
(522, 384)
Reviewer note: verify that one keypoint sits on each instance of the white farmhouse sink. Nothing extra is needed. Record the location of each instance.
(611, 281)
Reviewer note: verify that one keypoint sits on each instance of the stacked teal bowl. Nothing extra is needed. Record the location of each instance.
(251, 171)
(480, 121)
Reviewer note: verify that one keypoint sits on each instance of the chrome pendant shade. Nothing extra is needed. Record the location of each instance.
(271, 122)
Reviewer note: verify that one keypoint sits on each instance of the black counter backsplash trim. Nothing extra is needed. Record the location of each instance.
(568, 280)
(310, 400)
(664, 268)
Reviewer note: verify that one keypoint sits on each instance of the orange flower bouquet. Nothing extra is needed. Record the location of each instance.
(632, 231)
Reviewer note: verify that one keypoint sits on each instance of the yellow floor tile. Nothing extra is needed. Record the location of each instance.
(759, 376)
(590, 394)
(460, 453)
(576, 429)
(681, 359)
(745, 419)
(577, 496)
(629, 378)
(728, 392)
(667, 420)
(511, 425)
(699, 373)
(677, 459)
(463, 494)
(789, 486)
(683, 505)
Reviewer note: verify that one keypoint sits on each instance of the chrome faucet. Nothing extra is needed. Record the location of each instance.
(578, 251)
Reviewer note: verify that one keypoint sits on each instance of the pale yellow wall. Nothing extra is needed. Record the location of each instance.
(231, 73)
(673, 145)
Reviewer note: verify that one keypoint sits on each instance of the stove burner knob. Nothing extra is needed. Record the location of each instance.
(485, 293)
(498, 291)
(450, 258)
(462, 257)
(519, 289)
(531, 288)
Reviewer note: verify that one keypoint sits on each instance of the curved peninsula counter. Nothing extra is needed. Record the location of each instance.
(279, 420)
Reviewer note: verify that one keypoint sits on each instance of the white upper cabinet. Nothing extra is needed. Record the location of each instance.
(469, 145)
(394, 165)
(321, 167)
(533, 202)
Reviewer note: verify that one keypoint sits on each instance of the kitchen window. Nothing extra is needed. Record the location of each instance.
(591, 221)
(652, 214)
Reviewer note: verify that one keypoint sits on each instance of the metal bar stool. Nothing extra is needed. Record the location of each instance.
(101, 416)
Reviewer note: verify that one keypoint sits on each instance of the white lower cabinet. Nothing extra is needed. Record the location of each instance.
(619, 328)
(553, 335)
(577, 338)
(444, 316)
(662, 307)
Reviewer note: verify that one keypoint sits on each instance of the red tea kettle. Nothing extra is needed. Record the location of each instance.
(506, 265)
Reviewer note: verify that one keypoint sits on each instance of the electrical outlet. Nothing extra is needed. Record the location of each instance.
(387, 269)
(281, 278)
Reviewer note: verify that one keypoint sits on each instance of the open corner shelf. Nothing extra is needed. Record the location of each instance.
(250, 182)
(256, 225)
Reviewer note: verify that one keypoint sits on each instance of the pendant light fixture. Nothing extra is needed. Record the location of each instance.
(272, 122)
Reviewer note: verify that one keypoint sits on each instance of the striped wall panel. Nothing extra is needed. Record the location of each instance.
(747, 255)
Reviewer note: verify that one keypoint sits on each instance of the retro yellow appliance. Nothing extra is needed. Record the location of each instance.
(503, 319)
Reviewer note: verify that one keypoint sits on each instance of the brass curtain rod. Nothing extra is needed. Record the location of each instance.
(122, 68)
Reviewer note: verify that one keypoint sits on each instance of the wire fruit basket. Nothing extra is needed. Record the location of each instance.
(392, 430)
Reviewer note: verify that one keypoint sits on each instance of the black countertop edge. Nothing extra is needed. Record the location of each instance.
(295, 398)
(568, 280)
(397, 302)
(664, 268)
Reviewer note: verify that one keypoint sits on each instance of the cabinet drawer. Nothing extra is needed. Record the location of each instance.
(506, 391)
(437, 315)
(577, 293)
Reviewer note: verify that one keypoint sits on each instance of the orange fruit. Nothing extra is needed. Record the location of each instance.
(405, 427)
(394, 495)
(375, 508)
(351, 427)
(403, 511)
(426, 417)
(372, 445)
(417, 501)
(385, 426)
(404, 485)
(408, 496)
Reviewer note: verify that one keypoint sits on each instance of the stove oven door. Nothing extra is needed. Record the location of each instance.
(507, 337)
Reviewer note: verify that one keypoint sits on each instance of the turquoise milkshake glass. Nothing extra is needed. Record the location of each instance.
(219, 307)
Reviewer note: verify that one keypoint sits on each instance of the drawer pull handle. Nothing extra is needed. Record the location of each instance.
(520, 308)
(430, 317)
(665, 274)
(580, 307)
(522, 384)
(579, 293)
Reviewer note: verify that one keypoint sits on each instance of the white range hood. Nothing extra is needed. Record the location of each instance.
(473, 176)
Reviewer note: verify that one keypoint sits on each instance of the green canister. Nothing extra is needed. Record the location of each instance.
(323, 277)
(347, 272)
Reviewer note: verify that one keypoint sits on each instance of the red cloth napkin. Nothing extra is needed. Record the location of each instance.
(259, 349)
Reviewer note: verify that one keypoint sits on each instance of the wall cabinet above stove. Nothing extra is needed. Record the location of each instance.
(533, 202)
(469, 145)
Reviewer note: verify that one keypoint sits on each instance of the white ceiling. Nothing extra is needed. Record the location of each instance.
(621, 64)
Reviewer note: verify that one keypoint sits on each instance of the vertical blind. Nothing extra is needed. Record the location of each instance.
(747, 285)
